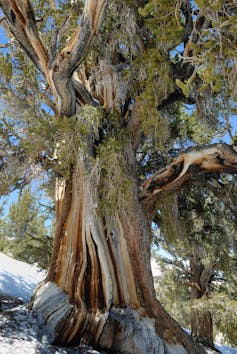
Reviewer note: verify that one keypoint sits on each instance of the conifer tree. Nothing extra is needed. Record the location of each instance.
(98, 88)
(25, 231)
(202, 255)
(3, 241)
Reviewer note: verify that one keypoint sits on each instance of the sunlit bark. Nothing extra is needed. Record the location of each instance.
(100, 287)
(187, 167)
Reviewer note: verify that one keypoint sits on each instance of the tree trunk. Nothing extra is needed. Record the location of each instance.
(99, 288)
(202, 327)
(201, 318)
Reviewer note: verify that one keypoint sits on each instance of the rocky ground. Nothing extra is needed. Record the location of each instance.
(18, 331)
(18, 327)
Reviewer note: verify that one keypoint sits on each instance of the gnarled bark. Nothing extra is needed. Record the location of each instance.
(100, 287)
(190, 166)
(58, 68)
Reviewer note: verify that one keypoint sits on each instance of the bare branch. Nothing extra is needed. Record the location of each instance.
(83, 96)
(57, 68)
(73, 54)
(220, 158)
(22, 24)
(214, 158)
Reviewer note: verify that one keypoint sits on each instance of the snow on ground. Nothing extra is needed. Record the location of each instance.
(18, 328)
(156, 272)
(17, 278)
(224, 349)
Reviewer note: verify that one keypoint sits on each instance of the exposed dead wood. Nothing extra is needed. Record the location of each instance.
(220, 158)
(57, 68)
(100, 287)
(73, 54)
(21, 22)
(194, 285)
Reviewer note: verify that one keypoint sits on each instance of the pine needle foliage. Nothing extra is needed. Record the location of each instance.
(25, 234)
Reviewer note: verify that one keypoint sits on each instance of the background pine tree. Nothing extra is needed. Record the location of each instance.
(25, 236)
(200, 236)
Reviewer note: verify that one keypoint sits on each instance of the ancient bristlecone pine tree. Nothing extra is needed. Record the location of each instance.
(99, 287)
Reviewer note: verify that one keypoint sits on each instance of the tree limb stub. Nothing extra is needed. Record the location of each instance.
(193, 284)
(213, 158)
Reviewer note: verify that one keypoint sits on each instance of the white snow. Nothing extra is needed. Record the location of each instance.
(225, 349)
(17, 278)
(156, 271)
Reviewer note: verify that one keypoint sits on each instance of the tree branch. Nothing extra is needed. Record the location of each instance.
(206, 276)
(196, 162)
(73, 54)
(193, 285)
(58, 69)
(21, 22)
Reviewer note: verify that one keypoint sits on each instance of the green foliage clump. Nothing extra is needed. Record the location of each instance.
(72, 135)
(6, 67)
(115, 185)
(214, 54)
(156, 82)
(188, 126)
(154, 123)
(196, 224)
(160, 16)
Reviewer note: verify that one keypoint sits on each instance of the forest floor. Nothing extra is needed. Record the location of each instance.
(19, 332)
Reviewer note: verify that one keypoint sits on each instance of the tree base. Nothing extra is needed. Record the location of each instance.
(117, 329)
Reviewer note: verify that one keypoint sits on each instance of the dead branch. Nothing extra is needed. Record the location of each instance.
(213, 158)
(21, 22)
(57, 68)
(189, 166)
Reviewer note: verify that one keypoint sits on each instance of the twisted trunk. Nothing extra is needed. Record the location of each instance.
(99, 288)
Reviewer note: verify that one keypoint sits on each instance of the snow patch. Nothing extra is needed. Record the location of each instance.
(225, 349)
(156, 271)
(17, 278)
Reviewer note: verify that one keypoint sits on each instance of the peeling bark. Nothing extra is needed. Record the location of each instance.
(21, 22)
(100, 287)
